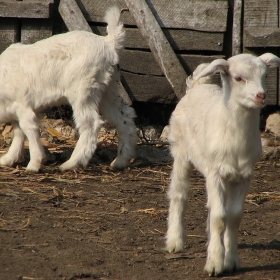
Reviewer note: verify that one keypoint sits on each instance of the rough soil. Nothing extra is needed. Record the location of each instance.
(100, 224)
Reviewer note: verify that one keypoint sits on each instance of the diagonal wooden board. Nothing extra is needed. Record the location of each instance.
(159, 45)
(72, 16)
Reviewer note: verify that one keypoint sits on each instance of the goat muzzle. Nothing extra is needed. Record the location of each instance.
(261, 98)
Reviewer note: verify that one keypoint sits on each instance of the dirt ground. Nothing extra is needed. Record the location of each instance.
(100, 224)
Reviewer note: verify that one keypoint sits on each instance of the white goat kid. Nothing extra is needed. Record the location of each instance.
(217, 131)
(76, 68)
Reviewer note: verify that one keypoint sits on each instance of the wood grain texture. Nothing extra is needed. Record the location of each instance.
(9, 32)
(26, 9)
(153, 87)
(236, 27)
(262, 37)
(144, 63)
(272, 86)
(262, 13)
(139, 62)
(148, 88)
(33, 30)
(72, 15)
(179, 39)
(196, 15)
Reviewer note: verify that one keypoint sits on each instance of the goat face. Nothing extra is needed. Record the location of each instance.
(247, 81)
(243, 77)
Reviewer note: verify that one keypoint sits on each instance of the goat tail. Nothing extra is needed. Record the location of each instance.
(192, 82)
(115, 28)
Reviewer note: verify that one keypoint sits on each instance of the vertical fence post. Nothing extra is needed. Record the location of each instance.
(236, 27)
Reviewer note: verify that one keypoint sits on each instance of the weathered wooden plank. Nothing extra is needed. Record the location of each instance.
(185, 40)
(196, 15)
(260, 13)
(261, 37)
(139, 62)
(26, 9)
(72, 15)
(272, 87)
(190, 62)
(179, 39)
(144, 63)
(9, 32)
(236, 27)
(152, 86)
(33, 30)
(148, 88)
(160, 47)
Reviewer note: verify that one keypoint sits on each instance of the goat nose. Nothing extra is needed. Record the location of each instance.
(261, 95)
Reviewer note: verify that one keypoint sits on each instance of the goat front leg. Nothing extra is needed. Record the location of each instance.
(178, 193)
(215, 225)
(29, 125)
(15, 152)
(88, 123)
(236, 194)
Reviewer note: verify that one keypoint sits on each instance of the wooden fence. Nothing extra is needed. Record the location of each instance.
(160, 52)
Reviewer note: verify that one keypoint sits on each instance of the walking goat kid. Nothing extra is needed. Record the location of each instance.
(76, 68)
(217, 130)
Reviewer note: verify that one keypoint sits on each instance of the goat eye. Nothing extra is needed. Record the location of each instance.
(238, 79)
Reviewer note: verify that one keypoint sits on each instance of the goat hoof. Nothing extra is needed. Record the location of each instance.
(33, 167)
(6, 161)
(231, 263)
(174, 246)
(119, 164)
(32, 170)
(213, 273)
(214, 268)
(68, 165)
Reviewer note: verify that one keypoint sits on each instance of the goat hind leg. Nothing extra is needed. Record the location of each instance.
(29, 125)
(88, 123)
(15, 152)
(120, 115)
(177, 193)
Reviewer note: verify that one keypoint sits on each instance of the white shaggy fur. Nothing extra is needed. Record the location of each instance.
(217, 130)
(76, 68)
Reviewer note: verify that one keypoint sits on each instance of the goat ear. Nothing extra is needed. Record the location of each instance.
(216, 66)
(270, 60)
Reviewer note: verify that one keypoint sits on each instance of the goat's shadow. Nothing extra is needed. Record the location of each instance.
(268, 267)
(272, 245)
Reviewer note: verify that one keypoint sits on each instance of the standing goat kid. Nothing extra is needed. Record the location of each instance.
(76, 68)
(217, 130)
